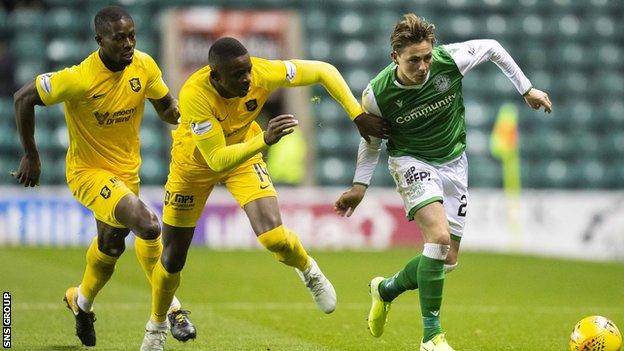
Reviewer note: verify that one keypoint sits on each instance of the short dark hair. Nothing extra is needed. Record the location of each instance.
(106, 16)
(225, 49)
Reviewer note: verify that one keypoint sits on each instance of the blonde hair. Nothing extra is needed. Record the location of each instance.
(411, 29)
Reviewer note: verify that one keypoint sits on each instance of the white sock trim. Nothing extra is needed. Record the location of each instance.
(84, 303)
(436, 251)
(448, 268)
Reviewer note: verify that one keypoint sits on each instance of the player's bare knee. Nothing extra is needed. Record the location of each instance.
(148, 227)
(172, 262)
(112, 248)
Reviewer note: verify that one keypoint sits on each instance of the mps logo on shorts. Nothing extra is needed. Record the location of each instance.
(105, 192)
(251, 105)
(135, 84)
(179, 201)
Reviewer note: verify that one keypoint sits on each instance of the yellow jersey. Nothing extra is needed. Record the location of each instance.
(205, 113)
(103, 111)
(200, 103)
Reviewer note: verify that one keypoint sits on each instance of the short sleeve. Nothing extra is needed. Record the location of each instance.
(156, 87)
(66, 84)
(369, 102)
(196, 110)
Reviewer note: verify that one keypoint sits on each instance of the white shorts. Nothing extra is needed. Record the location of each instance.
(420, 183)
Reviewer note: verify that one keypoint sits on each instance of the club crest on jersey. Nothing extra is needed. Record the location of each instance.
(105, 192)
(251, 105)
(101, 117)
(441, 83)
(135, 84)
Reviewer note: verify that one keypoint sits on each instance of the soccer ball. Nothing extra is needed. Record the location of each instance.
(595, 333)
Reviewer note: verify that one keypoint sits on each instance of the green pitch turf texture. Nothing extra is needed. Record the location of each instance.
(244, 300)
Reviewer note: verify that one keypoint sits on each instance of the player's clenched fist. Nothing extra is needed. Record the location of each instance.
(278, 127)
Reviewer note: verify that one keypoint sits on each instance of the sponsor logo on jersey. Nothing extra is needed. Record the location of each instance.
(441, 83)
(201, 127)
(291, 71)
(251, 105)
(105, 192)
(45, 83)
(399, 103)
(116, 182)
(106, 118)
(135, 84)
(426, 109)
(97, 96)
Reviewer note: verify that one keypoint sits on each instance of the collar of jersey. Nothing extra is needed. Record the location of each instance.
(418, 86)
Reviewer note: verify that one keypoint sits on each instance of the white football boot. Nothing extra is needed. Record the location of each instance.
(320, 287)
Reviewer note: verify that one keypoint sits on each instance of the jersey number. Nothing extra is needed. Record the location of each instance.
(263, 175)
(463, 207)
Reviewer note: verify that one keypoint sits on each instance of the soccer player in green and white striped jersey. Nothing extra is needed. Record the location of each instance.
(420, 95)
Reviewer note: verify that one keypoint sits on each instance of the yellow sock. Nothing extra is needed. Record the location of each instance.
(148, 253)
(99, 269)
(286, 247)
(164, 285)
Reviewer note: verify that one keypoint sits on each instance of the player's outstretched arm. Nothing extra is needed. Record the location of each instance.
(349, 200)
(318, 72)
(167, 109)
(536, 99)
(24, 101)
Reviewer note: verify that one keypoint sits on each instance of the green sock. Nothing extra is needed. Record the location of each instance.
(404, 280)
(430, 282)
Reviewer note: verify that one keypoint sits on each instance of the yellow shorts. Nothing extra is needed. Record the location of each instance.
(100, 191)
(186, 195)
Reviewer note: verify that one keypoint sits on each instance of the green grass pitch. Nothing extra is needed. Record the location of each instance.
(244, 300)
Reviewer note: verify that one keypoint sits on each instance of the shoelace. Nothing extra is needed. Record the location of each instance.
(181, 316)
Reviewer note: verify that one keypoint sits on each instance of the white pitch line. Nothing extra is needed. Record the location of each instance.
(275, 306)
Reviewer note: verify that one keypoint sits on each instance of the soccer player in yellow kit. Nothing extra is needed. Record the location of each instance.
(104, 99)
(218, 141)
